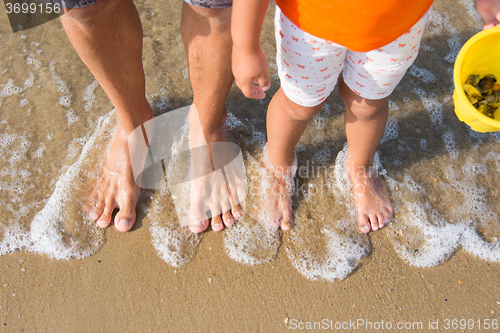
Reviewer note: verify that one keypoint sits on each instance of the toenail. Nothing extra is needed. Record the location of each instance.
(237, 215)
(93, 216)
(123, 223)
(229, 221)
(196, 224)
(101, 223)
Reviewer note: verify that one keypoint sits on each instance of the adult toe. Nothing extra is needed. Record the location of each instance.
(105, 218)
(97, 209)
(217, 223)
(237, 212)
(228, 218)
(125, 219)
(198, 226)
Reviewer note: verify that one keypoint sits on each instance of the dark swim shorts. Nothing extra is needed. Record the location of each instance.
(69, 3)
(198, 3)
(210, 3)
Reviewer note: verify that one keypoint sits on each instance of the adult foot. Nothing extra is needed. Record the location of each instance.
(278, 197)
(214, 186)
(372, 201)
(115, 188)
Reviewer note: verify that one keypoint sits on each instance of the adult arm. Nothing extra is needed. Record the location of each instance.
(490, 11)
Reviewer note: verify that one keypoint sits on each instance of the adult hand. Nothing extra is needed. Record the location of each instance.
(250, 72)
(490, 11)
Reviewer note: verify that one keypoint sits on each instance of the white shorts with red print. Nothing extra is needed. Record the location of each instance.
(309, 66)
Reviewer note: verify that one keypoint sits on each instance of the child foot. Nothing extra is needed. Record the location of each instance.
(373, 204)
(278, 197)
(116, 188)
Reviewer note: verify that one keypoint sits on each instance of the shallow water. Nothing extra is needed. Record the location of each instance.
(56, 123)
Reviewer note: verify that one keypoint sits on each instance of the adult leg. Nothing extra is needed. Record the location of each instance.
(207, 39)
(107, 35)
(365, 123)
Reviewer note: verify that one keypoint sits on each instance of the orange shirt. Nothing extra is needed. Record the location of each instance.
(359, 25)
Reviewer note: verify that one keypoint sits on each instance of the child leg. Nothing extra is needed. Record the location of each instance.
(365, 123)
(308, 68)
(286, 121)
(368, 80)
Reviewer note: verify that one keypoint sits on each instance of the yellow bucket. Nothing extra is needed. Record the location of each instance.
(480, 55)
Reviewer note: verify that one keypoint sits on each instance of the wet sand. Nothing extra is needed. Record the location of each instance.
(126, 286)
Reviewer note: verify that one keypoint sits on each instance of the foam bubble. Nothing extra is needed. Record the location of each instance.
(433, 107)
(14, 238)
(338, 259)
(72, 118)
(251, 243)
(23, 102)
(495, 136)
(424, 237)
(60, 85)
(328, 247)
(495, 157)
(175, 244)
(163, 104)
(472, 168)
(475, 245)
(30, 60)
(185, 73)
(449, 143)
(473, 13)
(319, 121)
(421, 73)
(327, 110)
(425, 47)
(59, 229)
(88, 96)
(323, 156)
(169, 209)
(455, 45)
(9, 89)
(65, 101)
(393, 105)
(437, 22)
(391, 131)
(480, 137)
(271, 176)
(420, 236)
(254, 239)
(40, 151)
(423, 144)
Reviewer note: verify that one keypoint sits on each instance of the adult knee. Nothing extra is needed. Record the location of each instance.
(211, 20)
